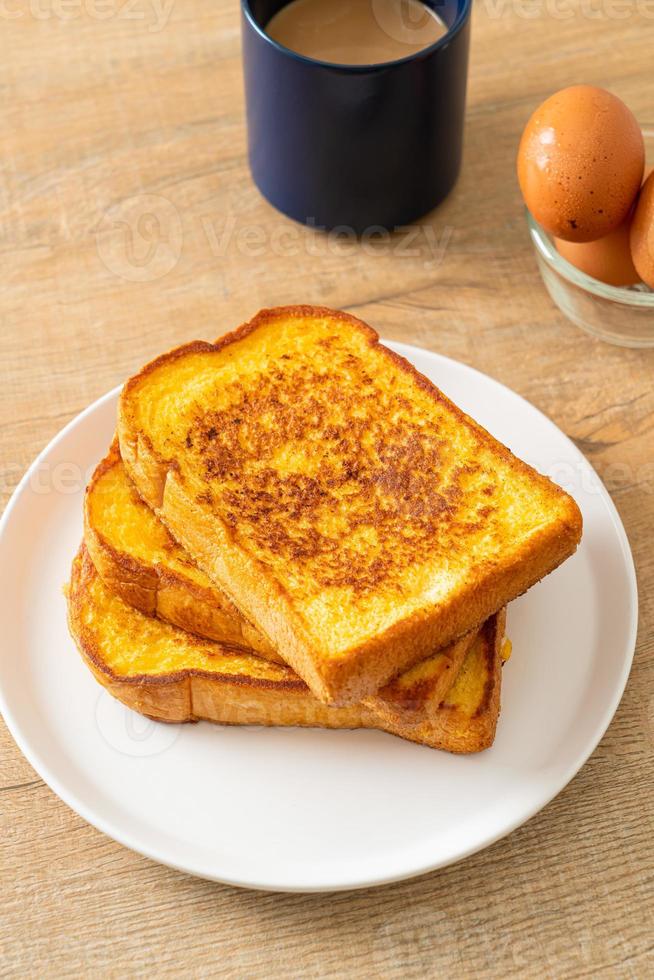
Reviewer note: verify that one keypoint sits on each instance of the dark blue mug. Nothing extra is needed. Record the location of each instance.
(359, 146)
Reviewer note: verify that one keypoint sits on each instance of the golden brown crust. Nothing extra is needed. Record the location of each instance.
(417, 694)
(101, 625)
(212, 539)
(475, 732)
(155, 588)
(83, 574)
(159, 589)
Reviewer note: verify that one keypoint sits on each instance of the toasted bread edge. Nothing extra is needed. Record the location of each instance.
(363, 670)
(406, 702)
(179, 600)
(191, 695)
(479, 732)
(163, 592)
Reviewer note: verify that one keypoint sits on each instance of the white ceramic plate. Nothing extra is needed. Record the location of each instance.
(309, 810)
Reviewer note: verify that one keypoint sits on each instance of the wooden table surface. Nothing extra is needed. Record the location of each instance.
(129, 223)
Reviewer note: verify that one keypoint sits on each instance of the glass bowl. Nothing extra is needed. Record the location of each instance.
(617, 314)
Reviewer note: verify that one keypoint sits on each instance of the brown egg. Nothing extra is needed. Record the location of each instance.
(580, 163)
(642, 233)
(608, 259)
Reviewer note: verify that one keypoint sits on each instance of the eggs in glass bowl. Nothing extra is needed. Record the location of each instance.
(581, 162)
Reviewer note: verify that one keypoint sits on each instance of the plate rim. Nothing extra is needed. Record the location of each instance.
(95, 819)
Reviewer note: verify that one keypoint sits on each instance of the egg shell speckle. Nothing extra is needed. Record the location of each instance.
(580, 163)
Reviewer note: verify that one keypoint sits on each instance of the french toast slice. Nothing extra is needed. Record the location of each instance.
(139, 560)
(142, 563)
(354, 514)
(170, 675)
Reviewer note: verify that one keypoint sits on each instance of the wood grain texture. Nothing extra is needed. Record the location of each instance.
(133, 113)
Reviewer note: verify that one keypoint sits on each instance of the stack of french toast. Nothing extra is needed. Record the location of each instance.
(294, 527)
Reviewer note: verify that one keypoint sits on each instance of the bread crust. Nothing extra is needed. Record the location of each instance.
(158, 589)
(191, 694)
(368, 665)
(418, 694)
